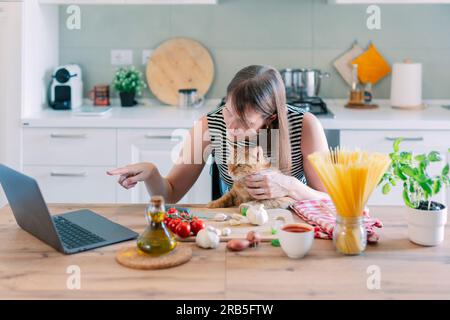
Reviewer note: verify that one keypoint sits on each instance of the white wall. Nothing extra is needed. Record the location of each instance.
(40, 53)
(29, 42)
(10, 85)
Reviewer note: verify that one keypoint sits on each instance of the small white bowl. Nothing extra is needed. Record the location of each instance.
(296, 244)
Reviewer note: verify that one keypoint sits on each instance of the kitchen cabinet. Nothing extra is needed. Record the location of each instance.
(61, 146)
(160, 147)
(74, 184)
(417, 141)
(70, 164)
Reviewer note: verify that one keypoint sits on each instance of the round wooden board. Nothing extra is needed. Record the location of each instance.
(179, 63)
(132, 257)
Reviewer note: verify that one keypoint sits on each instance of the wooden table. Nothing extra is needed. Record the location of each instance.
(29, 269)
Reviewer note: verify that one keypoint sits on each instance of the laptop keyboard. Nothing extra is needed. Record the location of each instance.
(74, 236)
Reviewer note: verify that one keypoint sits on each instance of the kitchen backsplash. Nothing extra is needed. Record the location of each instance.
(282, 33)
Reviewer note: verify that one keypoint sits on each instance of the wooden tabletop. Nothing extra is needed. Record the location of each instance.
(29, 269)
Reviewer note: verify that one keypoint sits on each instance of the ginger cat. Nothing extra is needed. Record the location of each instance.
(248, 161)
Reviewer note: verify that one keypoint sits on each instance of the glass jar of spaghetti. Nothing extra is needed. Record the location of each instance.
(350, 235)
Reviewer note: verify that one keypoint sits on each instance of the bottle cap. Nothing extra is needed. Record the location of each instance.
(156, 200)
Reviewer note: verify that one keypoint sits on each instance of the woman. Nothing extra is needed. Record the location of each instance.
(255, 101)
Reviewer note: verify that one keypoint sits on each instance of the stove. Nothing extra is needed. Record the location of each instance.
(315, 105)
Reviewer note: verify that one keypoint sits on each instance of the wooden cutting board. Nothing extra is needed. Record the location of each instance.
(179, 63)
(132, 257)
(277, 217)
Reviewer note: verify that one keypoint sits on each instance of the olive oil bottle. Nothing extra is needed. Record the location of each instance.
(156, 239)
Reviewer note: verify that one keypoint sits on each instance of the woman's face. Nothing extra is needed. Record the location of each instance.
(239, 129)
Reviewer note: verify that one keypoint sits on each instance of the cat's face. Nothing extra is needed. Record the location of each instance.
(247, 161)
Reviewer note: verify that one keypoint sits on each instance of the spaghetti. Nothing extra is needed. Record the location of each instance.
(350, 178)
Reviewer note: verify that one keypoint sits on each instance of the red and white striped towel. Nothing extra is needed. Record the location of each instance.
(319, 213)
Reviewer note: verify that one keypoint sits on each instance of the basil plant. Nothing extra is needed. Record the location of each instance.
(411, 171)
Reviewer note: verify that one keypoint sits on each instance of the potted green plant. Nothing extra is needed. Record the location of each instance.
(128, 82)
(426, 218)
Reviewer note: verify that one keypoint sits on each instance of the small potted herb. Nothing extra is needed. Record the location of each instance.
(128, 82)
(426, 218)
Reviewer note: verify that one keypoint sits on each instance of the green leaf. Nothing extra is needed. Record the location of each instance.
(275, 243)
(420, 157)
(396, 144)
(434, 156)
(273, 231)
(427, 188)
(437, 186)
(399, 173)
(406, 199)
(406, 169)
(445, 170)
(392, 181)
(386, 188)
(405, 156)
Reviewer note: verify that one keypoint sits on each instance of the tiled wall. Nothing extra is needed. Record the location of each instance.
(283, 33)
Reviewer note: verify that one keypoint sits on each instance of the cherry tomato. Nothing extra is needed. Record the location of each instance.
(197, 225)
(167, 220)
(173, 224)
(172, 210)
(183, 229)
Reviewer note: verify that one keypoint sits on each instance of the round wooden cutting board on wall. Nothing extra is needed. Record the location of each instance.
(179, 63)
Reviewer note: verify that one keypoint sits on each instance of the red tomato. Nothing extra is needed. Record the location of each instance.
(173, 224)
(183, 229)
(167, 219)
(172, 211)
(197, 225)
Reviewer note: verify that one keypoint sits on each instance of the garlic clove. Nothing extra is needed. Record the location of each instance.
(234, 222)
(226, 232)
(220, 217)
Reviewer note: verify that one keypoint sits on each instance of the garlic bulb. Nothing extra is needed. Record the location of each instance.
(207, 238)
(257, 215)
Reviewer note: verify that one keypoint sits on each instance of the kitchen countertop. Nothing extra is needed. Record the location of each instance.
(155, 115)
(29, 269)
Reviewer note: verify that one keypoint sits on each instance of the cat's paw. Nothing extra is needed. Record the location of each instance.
(212, 205)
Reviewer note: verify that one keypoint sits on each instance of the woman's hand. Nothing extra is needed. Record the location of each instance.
(130, 175)
(268, 185)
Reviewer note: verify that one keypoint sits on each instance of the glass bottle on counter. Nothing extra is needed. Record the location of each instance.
(368, 93)
(156, 239)
(356, 93)
(350, 235)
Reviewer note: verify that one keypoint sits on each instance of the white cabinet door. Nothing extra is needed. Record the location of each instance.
(73, 147)
(158, 146)
(415, 141)
(74, 184)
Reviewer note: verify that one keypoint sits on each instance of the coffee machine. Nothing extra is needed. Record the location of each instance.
(66, 88)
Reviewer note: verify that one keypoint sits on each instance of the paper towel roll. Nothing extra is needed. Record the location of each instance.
(406, 85)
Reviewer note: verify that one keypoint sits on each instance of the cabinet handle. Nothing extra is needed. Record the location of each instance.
(405, 138)
(68, 174)
(67, 136)
(164, 137)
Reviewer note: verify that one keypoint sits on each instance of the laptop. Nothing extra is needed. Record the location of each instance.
(69, 232)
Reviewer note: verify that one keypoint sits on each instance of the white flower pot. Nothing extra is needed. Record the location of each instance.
(425, 227)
